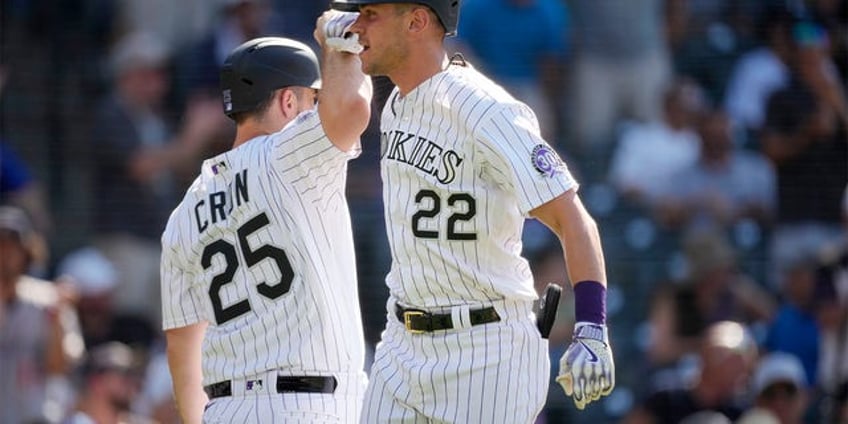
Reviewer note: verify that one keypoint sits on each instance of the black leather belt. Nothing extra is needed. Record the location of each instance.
(285, 384)
(418, 321)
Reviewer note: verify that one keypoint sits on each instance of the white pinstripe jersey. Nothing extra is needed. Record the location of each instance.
(462, 164)
(261, 247)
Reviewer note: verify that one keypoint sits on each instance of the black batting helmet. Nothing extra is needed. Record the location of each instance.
(446, 10)
(259, 66)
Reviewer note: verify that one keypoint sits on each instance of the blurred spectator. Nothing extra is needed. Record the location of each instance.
(727, 354)
(780, 391)
(621, 64)
(136, 165)
(724, 187)
(796, 48)
(807, 143)
(833, 318)
(706, 417)
(109, 383)
(523, 45)
(833, 16)
(156, 397)
(715, 290)
(39, 332)
(839, 407)
(197, 64)
(795, 328)
(17, 185)
(176, 23)
(95, 280)
(708, 37)
(762, 71)
(648, 154)
(297, 18)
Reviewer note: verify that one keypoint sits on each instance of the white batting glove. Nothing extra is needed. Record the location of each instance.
(586, 369)
(336, 32)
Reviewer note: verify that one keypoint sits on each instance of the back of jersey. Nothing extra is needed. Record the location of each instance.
(261, 247)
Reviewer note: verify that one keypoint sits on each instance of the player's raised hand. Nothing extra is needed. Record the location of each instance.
(332, 31)
(587, 370)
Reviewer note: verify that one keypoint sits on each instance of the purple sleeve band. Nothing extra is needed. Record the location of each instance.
(590, 302)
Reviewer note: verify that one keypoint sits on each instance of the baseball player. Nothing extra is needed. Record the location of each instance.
(463, 165)
(260, 301)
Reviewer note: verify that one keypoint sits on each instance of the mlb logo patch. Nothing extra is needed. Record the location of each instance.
(219, 167)
(253, 385)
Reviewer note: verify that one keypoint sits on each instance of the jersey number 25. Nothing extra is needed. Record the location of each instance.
(252, 257)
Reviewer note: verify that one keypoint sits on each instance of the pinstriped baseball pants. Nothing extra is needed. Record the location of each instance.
(490, 373)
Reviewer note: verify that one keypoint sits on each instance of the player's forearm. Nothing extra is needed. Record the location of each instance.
(568, 219)
(345, 100)
(584, 256)
(582, 246)
(190, 401)
(184, 362)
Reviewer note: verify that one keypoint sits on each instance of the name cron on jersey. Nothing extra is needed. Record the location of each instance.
(218, 205)
(421, 153)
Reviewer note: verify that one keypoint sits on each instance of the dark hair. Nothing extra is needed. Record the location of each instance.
(264, 105)
(259, 110)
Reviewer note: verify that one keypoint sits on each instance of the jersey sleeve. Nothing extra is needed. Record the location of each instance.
(179, 306)
(517, 158)
(304, 155)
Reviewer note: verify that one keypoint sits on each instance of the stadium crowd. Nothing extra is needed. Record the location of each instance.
(710, 138)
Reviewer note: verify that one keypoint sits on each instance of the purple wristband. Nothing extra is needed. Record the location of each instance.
(590, 302)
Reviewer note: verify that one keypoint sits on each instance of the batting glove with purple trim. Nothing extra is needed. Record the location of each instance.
(587, 370)
(336, 32)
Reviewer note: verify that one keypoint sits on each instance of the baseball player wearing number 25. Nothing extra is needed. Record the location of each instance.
(463, 165)
(260, 303)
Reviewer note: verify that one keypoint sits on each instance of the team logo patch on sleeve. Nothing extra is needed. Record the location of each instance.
(546, 160)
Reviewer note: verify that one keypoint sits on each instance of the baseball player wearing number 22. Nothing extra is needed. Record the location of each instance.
(260, 303)
(463, 165)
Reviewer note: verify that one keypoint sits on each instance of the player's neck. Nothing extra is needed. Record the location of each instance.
(420, 67)
(243, 135)
(252, 128)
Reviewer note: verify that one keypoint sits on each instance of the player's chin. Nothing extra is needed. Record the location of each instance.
(369, 67)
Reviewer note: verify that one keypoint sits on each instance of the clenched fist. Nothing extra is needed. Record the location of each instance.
(331, 31)
(587, 370)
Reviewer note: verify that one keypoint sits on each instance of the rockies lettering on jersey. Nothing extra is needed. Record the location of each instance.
(212, 209)
(423, 154)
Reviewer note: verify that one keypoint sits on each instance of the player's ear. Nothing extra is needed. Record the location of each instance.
(288, 102)
(419, 19)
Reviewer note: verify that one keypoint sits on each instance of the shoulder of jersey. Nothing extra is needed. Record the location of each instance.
(473, 88)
